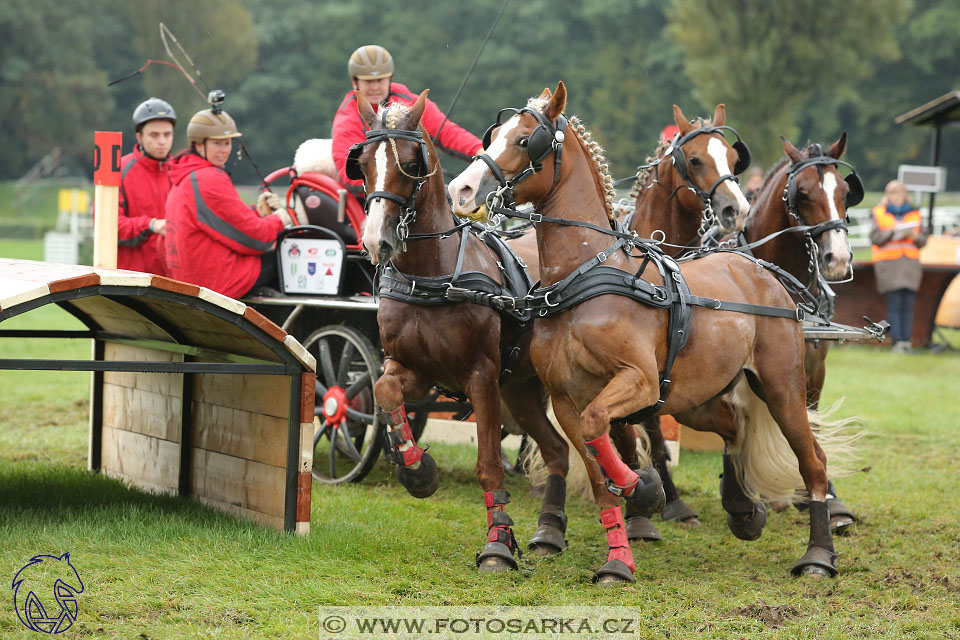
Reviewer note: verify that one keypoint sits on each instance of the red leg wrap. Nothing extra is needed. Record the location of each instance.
(612, 521)
(409, 450)
(498, 526)
(612, 465)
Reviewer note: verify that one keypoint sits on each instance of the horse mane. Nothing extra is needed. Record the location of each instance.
(593, 150)
(812, 150)
(394, 113)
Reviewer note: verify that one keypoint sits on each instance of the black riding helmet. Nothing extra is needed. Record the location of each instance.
(153, 109)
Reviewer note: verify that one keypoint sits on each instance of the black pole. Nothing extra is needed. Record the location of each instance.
(934, 161)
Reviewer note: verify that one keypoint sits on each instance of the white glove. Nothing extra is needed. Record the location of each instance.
(267, 203)
(284, 216)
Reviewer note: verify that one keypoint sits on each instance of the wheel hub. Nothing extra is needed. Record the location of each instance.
(335, 405)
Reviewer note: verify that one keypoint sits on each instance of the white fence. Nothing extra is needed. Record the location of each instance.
(944, 219)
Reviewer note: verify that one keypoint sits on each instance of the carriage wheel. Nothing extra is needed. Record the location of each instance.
(348, 436)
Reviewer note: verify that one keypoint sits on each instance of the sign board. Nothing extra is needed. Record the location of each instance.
(311, 266)
(106, 158)
(73, 200)
(919, 178)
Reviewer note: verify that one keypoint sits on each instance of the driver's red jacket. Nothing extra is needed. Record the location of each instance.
(144, 185)
(349, 129)
(214, 239)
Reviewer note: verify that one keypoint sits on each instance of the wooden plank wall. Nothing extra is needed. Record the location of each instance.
(240, 437)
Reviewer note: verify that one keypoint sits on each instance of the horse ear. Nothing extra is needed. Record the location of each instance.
(681, 121)
(791, 151)
(366, 111)
(544, 94)
(412, 121)
(838, 147)
(557, 103)
(720, 115)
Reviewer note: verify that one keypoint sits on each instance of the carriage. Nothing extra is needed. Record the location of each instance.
(325, 298)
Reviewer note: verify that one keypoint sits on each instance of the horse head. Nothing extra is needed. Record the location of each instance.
(707, 164)
(815, 194)
(515, 151)
(395, 162)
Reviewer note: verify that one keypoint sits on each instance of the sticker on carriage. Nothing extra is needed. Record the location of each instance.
(319, 263)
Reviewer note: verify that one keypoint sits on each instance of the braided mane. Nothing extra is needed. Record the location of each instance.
(394, 114)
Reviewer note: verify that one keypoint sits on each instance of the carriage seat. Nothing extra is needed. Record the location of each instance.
(316, 197)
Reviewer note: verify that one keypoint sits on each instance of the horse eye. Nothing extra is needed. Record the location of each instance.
(802, 195)
(522, 142)
(695, 161)
(409, 167)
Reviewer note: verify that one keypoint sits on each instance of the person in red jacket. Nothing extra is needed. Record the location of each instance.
(371, 73)
(145, 182)
(213, 238)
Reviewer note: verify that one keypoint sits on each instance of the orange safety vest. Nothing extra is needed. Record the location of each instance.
(897, 248)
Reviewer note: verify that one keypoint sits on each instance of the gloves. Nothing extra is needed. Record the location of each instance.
(284, 216)
(267, 203)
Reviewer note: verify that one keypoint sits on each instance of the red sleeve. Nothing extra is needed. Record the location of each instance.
(225, 217)
(347, 131)
(131, 230)
(453, 138)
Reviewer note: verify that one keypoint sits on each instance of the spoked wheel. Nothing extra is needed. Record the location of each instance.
(348, 437)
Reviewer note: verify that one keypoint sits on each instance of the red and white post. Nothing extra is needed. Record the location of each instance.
(106, 179)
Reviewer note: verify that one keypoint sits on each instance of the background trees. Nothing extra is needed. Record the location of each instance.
(804, 69)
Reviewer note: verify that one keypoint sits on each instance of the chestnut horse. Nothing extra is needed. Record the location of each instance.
(601, 359)
(805, 193)
(428, 339)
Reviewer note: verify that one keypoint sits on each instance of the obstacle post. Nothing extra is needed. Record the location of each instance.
(106, 180)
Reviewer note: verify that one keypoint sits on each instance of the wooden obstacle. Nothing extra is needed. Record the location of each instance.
(193, 393)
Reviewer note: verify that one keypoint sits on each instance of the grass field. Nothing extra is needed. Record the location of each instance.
(162, 567)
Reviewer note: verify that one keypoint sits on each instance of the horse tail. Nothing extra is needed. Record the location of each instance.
(765, 464)
(578, 483)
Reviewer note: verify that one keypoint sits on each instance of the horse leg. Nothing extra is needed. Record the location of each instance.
(841, 517)
(501, 547)
(788, 407)
(526, 405)
(619, 566)
(415, 468)
(619, 397)
(639, 524)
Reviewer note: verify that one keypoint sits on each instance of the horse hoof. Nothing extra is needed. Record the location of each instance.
(840, 525)
(494, 564)
(642, 528)
(679, 511)
(547, 541)
(496, 557)
(691, 523)
(613, 572)
(748, 526)
(422, 481)
(815, 572)
(648, 495)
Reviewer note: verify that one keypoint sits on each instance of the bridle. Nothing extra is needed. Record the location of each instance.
(547, 138)
(407, 205)
(812, 232)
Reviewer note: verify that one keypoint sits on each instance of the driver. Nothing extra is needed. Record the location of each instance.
(371, 73)
(213, 238)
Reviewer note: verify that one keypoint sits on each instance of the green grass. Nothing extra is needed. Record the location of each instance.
(170, 568)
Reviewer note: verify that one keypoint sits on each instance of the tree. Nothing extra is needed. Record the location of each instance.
(768, 61)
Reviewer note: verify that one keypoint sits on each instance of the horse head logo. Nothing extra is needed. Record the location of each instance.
(40, 578)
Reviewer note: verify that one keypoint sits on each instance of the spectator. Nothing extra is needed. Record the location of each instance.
(145, 183)
(371, 73)
(897, 235)
(213, 238)
(753, 183)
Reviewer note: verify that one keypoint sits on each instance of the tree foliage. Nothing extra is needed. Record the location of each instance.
(804, 69)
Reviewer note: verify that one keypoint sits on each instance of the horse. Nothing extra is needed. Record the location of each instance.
(688, 186)
(428, 340)
(600, 355)
(677, 195)
(805, 192)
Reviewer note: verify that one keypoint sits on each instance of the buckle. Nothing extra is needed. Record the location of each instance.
(800, 314)
(536, 217)
(601, 256)
(508, 299)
